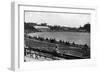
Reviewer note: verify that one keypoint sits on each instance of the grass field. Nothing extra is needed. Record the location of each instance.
(70, 52)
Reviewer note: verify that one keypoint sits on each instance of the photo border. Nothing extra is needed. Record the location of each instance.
(16, 59)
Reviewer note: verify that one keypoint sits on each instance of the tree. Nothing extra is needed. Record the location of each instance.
(73, 44)
(30, 27)
(43, 24)
(67, 43)
(87, 27)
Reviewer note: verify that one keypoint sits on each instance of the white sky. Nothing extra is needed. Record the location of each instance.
(62, 19)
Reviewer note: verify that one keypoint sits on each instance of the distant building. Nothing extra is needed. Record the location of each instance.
(42, 28)
(39, 27)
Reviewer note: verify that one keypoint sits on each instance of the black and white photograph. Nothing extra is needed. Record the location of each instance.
(50, 35)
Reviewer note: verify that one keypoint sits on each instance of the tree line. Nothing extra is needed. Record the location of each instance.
(30, 27)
